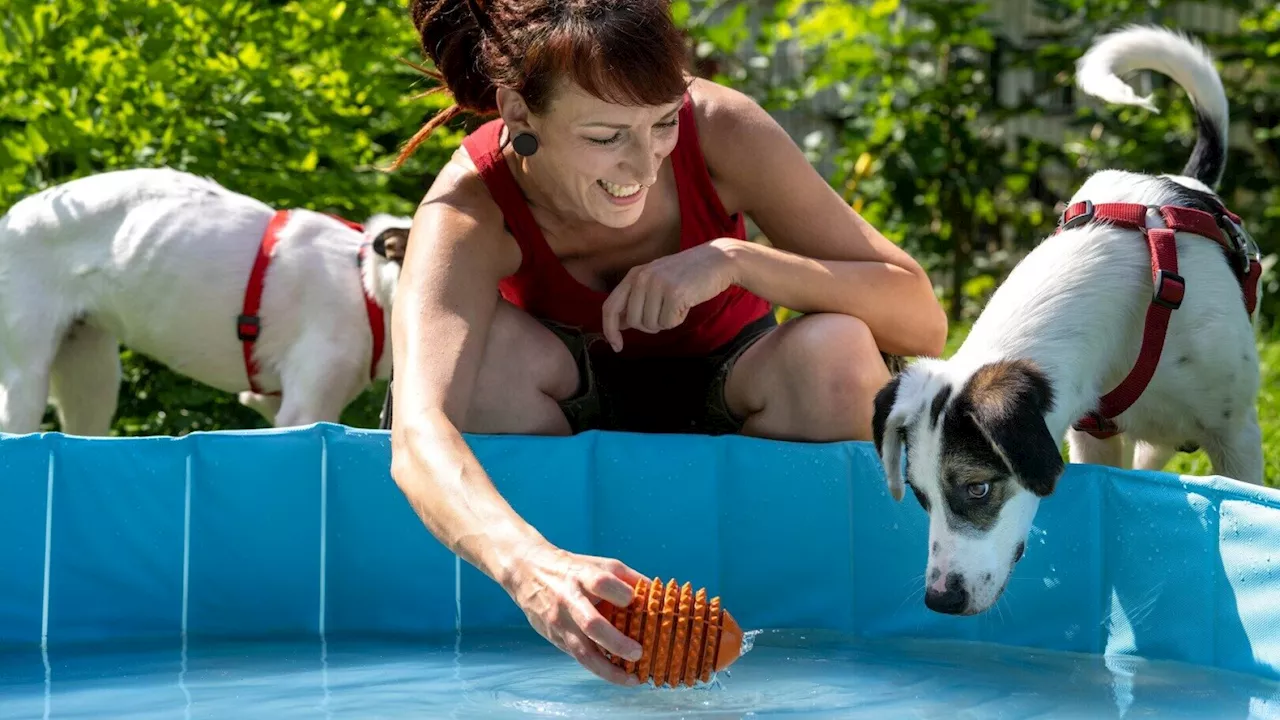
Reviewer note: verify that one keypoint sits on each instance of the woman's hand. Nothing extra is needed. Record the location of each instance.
(558, 592)
(659, 295)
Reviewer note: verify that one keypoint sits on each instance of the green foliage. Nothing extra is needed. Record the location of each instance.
(909, 87)
(1161, 142)
(907, 90)
(299, 104)
(920, 151)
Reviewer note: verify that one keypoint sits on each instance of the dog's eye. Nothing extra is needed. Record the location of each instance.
(978, 491)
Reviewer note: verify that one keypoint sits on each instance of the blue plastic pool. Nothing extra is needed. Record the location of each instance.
(281, 574)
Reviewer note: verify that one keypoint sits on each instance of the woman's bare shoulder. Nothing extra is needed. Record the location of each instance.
(725, 115)
(731, 127)
(458, 207)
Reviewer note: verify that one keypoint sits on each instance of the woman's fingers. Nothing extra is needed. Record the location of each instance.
(673, 313)
(648, 300)
(636, 303)
(602, 632)
(605, 585)
(590, 657)
(656, 299)
(621, 570)
(613, 310)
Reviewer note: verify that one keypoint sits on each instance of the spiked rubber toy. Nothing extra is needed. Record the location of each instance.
(685, 637)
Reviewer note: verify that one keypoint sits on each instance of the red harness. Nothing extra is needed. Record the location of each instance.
(1169, 289)
(248, 324)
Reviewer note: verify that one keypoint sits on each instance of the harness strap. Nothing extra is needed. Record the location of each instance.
(249, 324)
(1169, 288)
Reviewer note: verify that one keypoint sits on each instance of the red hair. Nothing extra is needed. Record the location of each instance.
(623, 51)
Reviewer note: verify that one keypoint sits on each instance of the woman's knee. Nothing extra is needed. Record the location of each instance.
(839, 355)
(525, 371)
(821, 376)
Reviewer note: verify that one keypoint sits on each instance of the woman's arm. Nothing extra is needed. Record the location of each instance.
(445, 302)
(825, 257)
(446, 299)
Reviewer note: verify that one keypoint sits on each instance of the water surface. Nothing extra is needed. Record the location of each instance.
(791, 674)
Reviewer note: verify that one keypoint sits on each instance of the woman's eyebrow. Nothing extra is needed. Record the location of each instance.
(621, 126)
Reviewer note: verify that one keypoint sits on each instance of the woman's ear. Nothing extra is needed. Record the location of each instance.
(514, 111)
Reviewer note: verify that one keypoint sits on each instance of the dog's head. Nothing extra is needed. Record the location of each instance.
(979, 457)
(388, 238)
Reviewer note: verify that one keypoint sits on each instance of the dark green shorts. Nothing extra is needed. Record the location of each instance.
(644, 395)
(654, 395)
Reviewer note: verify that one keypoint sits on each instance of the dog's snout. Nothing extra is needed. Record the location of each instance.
(1019, 551)
(952, 600)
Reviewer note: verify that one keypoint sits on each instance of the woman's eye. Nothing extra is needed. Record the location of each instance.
(978, 491)
(606, 141)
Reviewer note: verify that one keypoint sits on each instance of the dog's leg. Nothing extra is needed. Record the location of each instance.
(84, 384)
(24, 397)
(1147, 456)
(1238, 455)
(26, 353)
(316, 386)
(304, 405)
(1084, 448)
(268, 406)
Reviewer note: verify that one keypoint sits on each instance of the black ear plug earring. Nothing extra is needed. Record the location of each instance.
(525, 144)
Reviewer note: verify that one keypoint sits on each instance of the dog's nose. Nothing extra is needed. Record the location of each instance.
(952, 600)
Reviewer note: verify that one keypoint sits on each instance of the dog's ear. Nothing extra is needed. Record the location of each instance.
(884, 432)
(1007, 401)
(391, 243)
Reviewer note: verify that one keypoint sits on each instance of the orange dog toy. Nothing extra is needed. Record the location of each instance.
(685, 638)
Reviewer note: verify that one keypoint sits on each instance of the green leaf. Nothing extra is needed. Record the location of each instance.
(250, 56)
(881, 8)
(36, 142)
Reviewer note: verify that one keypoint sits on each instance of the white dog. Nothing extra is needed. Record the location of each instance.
(983, 430)
(161, 261)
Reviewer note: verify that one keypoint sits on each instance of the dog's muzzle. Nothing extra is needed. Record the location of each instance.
(952, 600)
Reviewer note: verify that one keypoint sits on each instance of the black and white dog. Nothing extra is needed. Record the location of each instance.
(161, 261)
(982, 431)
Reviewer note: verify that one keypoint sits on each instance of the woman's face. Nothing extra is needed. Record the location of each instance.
(597, 160)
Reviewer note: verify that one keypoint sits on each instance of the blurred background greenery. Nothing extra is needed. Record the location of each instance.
(952, 126)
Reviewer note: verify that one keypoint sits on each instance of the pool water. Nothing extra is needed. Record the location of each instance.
(518, 675)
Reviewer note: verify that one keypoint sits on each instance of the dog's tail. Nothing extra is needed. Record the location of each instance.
(1186, 62)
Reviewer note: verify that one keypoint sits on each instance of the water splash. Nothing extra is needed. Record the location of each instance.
(714, 683)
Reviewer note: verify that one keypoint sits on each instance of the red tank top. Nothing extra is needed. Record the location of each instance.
(545, 289)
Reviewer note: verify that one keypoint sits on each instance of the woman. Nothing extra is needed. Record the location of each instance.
(581, 263)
